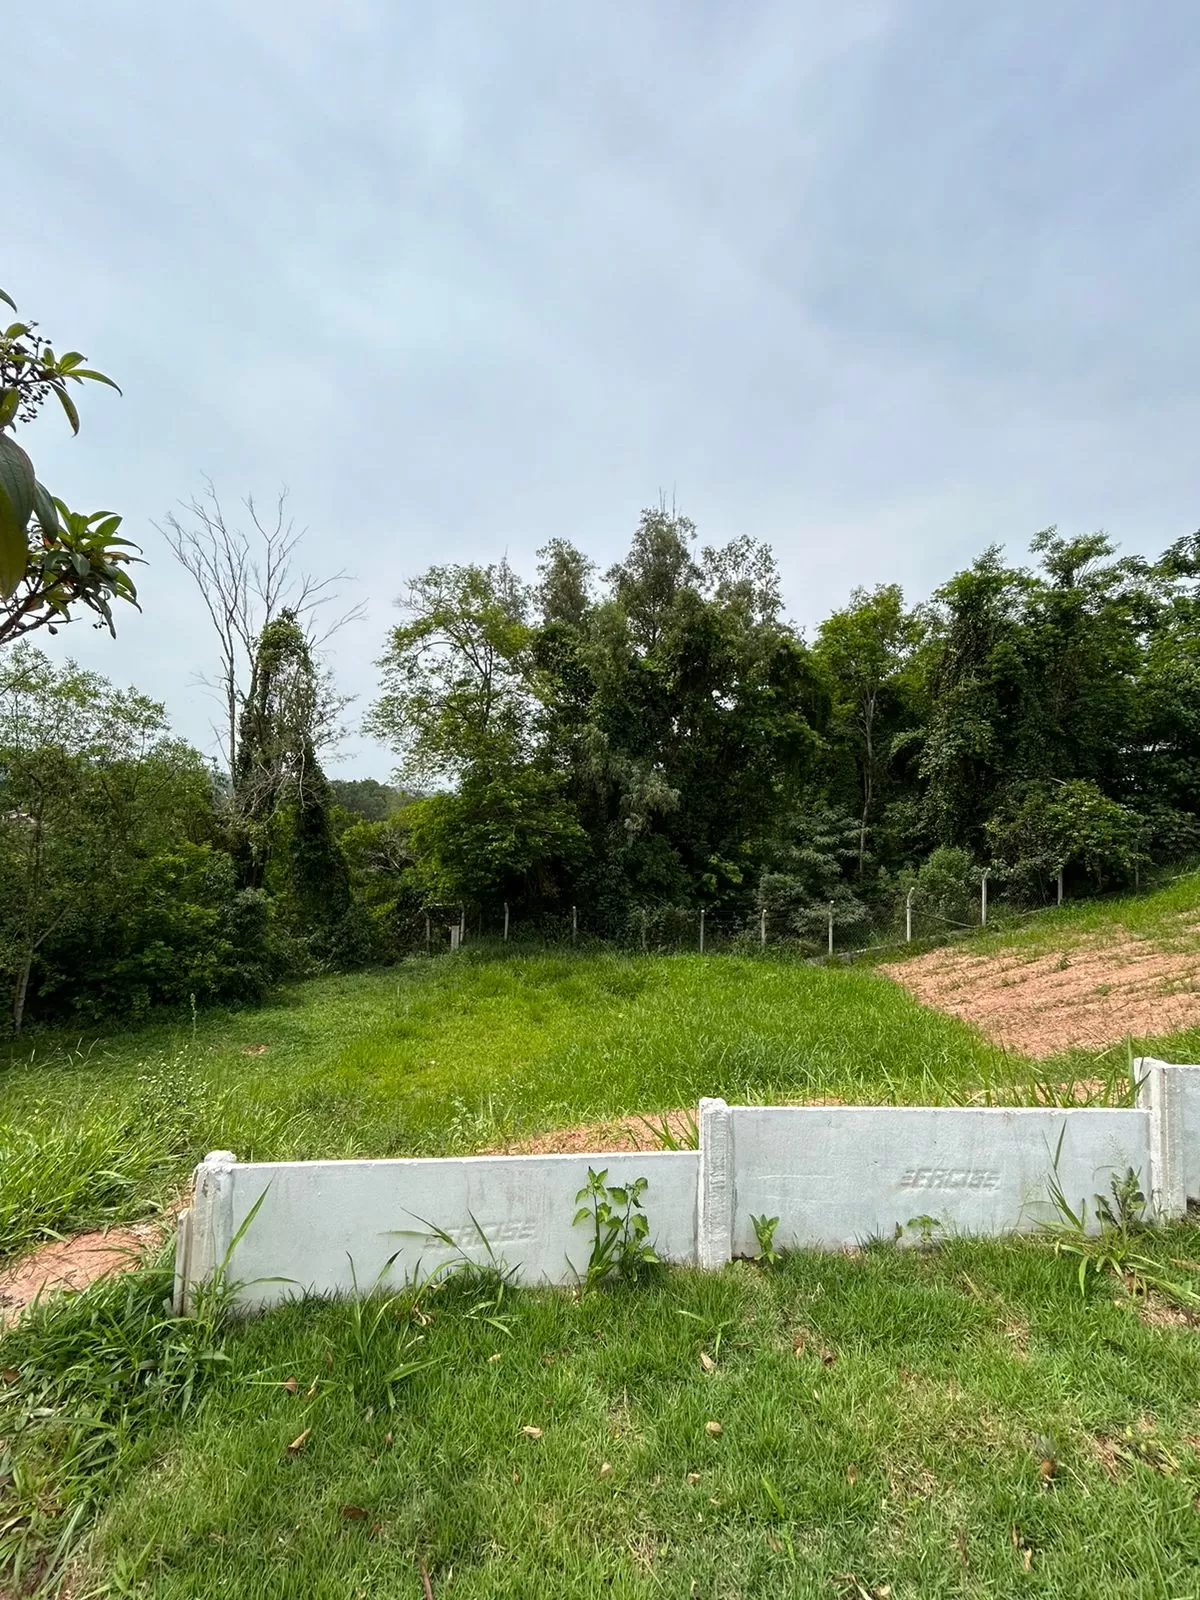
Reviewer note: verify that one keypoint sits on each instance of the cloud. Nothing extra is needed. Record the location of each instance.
(879, 283)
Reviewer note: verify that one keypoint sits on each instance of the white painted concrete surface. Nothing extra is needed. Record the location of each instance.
(838, 1175)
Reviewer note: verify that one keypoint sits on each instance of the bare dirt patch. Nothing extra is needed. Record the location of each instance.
(1088, 996)
(73, 1264)
(600, 1138)
(634, 1132)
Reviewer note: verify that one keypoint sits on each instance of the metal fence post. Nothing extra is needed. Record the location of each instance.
(908, 900)
(831, 927)
(574, 923)
(506, 922)
(762, 930)
(702, 931)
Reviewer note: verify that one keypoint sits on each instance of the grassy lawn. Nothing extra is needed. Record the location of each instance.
(958, 1422)
(897, 1424)
(452, 1055)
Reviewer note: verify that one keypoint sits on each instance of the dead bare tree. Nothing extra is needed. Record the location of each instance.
(246, 578)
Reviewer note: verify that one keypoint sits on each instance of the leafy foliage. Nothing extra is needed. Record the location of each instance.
(51, 558)
(620, 1229)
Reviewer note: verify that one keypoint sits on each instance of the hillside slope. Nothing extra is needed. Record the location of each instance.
(1076, 977)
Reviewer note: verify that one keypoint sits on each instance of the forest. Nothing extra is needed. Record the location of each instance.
(622, 748)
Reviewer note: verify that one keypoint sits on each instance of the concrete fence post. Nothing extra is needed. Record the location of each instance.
(983, 882)
(701, 932)
(714, 1231)
(1160, 1092)
(205, 1229)
(831, 927)
(506, 922)
(762, 930)
(908, 900)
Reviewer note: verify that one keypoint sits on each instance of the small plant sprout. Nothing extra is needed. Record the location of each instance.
(712, 1336)
(776, 1499)
(620, 1246)
(925, 1228)
(764, 1231)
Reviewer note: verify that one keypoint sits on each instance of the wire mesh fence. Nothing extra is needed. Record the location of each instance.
(816, 930)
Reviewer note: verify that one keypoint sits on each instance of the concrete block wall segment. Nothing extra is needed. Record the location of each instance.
(324, 1225)
(838, 1175)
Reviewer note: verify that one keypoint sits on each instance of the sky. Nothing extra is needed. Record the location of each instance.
(879, 284)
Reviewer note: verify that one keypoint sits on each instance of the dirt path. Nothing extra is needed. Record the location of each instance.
(73, 1264)
(601, 1138)
(1042, 1002)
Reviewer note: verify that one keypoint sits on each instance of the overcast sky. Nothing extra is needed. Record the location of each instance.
(877, 283)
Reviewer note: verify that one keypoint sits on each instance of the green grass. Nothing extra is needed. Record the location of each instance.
(452, 1055)
(884, 1417)
(884, 1423)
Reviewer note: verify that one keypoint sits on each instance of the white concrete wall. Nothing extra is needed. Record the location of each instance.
(317, 1218)
(833, 1175)
(838, 1175)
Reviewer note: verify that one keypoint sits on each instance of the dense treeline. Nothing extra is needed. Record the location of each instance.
(662, 734)
(656, 736)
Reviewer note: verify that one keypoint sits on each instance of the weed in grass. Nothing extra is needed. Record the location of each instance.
(620, 1244)
(669, 1138)
(764, 1233)
(381, 1335)
(1115, 1247)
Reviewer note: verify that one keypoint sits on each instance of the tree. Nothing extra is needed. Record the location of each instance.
(504, 835)
(867, 648)
(1048, 827)
(90, 783)
(246, 579)
(457, 693)
(281, 806)
(368, 798)
(51, 558)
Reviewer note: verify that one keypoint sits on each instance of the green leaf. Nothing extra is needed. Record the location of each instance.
(105, 530)
(96, 377)
(618, 1196)
(582, 1215)
(70, 361)
(16, 329)
(68, 405)
(9, 401)
(47, 511)
(8, 300)
(16, 507)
